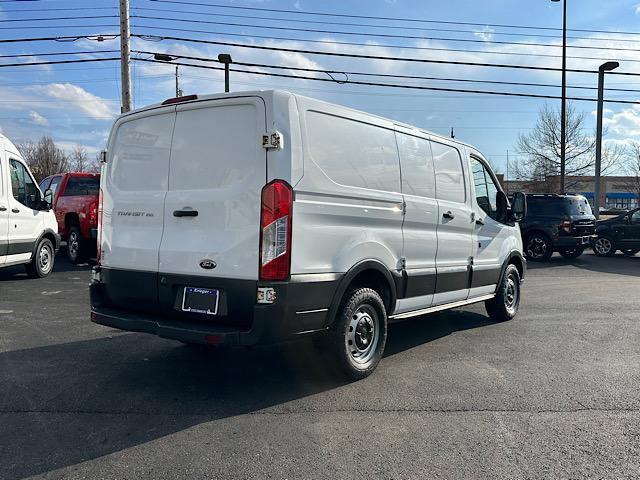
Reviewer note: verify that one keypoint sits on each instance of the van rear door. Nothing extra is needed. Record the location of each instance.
(216, 175)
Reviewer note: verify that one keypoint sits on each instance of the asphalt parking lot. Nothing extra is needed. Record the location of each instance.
(551, 394)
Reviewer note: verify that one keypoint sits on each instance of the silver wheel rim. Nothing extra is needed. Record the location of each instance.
(45, 258)
(511, 294)
(603, 246)
(536, 247)
(361, 338)
(72, 244)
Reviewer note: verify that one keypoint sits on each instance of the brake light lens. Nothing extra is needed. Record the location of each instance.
(99, 236)
(93, 213)
(275, 224)
(184, 98)
(566, 226)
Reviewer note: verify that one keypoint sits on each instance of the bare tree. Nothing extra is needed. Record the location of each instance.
(632, 168)
(44, 157)
(79, 158)
(542, 152)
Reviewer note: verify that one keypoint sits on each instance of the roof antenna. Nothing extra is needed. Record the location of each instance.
(453, 135)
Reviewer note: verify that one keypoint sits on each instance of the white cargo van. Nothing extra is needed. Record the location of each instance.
(264, 216)
(28, 227)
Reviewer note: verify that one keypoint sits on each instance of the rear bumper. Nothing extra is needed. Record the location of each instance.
(150, 302)
(572, 242)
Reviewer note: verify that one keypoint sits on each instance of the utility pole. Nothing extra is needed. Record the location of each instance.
(178, 91)
(605, 67)
(507, 179)
(563, 108)
(125, 52)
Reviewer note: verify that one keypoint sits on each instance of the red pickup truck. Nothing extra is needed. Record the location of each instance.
(75, 203)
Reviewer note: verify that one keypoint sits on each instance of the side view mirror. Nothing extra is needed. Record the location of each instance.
(47, 200)
(518, 207)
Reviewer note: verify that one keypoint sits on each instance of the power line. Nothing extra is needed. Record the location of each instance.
(398, 19)
(407, 47)
(385, 75)
(392, 27)
(376, 84)
(373, 57)
(381, 35)
(56, 9)
(86, 52)
(67, 38)
(58, 62)
(86, 17)
(55, 27)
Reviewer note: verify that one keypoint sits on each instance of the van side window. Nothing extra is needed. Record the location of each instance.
(354, 153)
(485, 188)
(23, 187)
(418, 177)
(449, 173)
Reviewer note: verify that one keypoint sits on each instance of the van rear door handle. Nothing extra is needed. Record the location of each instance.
(479, 221)
(15, 210)
(448, 215)
(3, 209)
(185, 213)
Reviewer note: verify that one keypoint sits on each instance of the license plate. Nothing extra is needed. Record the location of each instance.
(200, 300)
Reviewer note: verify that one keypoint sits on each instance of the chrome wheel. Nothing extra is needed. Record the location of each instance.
(73, 245)
(511, 294)
(361, 337)
(603, 246)
(45, 258)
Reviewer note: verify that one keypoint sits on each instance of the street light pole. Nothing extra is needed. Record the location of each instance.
(563, 107)
(226, 59)
(605, 67)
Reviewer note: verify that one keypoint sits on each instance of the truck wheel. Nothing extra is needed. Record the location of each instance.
(505, 304)
(43, 259)
(75, 245)
(604, 247)
(359, 333)
(571, 252)
(538, 247)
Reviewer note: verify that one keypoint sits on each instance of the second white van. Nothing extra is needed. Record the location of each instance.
(258, 217)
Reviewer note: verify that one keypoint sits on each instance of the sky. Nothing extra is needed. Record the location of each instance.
(77, 103)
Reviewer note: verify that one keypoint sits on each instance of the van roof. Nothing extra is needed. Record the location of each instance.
(8, 144)
(271, 93)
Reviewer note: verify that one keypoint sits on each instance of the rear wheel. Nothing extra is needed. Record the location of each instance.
(538, 247)
(43, 259)
(505, 304)
(359, 333)
(604, 246)
(75, 245)
(574, 252)
(630, 252)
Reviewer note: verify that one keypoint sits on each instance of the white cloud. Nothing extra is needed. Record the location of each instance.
(296, 5)
(625, 123)
(38, 119)
(73, 95)
(637, 7)
(486, 34)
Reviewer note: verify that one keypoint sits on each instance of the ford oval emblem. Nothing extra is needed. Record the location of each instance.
(208, 264)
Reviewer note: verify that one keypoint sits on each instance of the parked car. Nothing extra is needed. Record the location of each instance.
(28, 229)
(75, 203)
(557, 223)
(265, 216)
(618, 233)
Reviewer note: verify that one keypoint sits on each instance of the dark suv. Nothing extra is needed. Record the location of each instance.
(557, 223)
(618, 233)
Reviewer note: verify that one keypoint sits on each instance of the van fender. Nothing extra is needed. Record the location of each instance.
(514, 254)
(393, 282)
(47, 232)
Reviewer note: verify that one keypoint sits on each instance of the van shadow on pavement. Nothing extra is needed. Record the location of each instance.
(64, 404)
(618, 264)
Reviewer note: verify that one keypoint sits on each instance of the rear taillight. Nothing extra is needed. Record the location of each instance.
(93, 213)
(566, 226)
(275, 225)
(99, 236)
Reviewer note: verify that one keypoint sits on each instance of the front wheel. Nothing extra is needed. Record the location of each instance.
(604, 247)
(538, 247)
(574, 252)
(42, 261)
(359, 333)
(505, 304)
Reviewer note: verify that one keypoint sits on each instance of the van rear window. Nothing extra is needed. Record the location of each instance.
(353, 153)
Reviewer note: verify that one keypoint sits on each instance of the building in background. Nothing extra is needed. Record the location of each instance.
(615, 192)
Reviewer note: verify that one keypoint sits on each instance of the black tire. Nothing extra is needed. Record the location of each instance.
(604, 246)
(359, 333)
(630, 252)
(43, 259)
(505, 304)
(75, 245)
(571, 252)
(538, 247)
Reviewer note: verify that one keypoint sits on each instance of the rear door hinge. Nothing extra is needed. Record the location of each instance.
(273, 140)
(403, 263)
